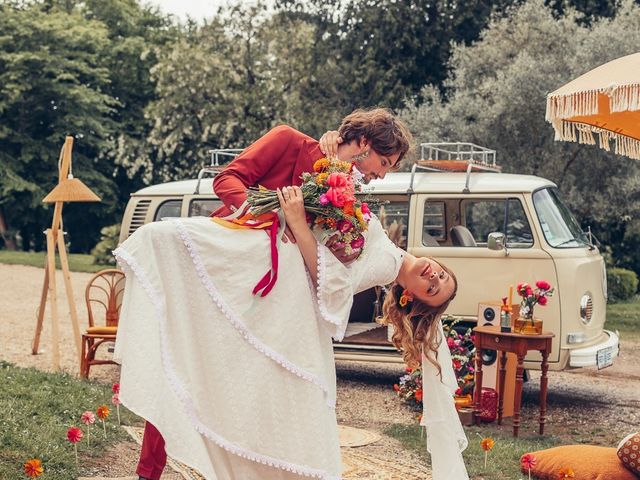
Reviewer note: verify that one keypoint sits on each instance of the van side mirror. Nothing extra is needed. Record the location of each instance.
(496, 241)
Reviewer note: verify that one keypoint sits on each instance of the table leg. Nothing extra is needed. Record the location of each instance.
(518, 395)
(503, 373)
(543, 389)
(478, 387)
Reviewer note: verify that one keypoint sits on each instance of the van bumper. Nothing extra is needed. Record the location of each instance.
(588, 356)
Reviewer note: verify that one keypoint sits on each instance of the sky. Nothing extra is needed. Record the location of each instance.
(196, 9)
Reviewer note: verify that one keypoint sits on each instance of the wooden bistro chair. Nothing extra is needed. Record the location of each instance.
(104, 292)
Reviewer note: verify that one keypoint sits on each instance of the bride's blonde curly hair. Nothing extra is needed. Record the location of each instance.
(415, 325)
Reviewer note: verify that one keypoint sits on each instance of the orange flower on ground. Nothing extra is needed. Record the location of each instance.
(102, 412)
(33, 468)
(487, 444)
(566, 473)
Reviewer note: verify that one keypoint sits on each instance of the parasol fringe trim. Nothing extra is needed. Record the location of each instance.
(621, 98)
(585, 134)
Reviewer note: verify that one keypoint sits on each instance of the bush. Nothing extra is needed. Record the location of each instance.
(622, 284)
(108, 242)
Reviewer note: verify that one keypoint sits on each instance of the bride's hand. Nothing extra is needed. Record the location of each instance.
(329, 143)
(292, 205)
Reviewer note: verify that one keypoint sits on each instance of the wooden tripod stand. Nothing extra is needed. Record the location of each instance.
(69, 189)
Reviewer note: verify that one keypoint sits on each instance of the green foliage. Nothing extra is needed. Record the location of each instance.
(622, 284)
(108, 242)
(504, 459)
(77, 262)
(69, 67)
(495, 96)
(625, 318)
(38, 408)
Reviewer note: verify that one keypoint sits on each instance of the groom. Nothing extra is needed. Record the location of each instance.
(373, 139)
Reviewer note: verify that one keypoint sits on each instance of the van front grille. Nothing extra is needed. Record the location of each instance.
(139, 215)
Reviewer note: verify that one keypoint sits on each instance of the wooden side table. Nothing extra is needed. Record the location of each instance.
(491, 338)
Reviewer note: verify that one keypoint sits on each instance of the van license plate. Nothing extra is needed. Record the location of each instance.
(604, 357)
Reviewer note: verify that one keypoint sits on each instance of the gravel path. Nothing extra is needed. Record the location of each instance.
(583, 405)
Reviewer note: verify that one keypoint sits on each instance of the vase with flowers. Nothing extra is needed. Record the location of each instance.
(526, 323)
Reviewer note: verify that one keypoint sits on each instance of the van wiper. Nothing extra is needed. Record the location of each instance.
(569, 241)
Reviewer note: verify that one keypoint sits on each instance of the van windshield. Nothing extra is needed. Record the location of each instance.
(559, 226)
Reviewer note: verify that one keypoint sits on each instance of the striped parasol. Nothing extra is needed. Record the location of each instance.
(602, 103)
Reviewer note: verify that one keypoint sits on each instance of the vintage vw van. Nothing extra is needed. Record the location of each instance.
(492, 229)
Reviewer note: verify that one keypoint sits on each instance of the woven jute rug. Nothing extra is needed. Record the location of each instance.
(357, 463)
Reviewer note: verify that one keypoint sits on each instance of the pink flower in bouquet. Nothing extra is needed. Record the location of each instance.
(365, 208)
(542, 300)
(337, 180)
(88, 417)
(450, 342)
(543, 285)
(358, 242)
(344, 226)
(324, 200)
(115, 388)
(336, 197)
(339, 245)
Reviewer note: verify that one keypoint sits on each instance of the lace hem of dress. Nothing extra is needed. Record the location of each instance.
(129, 264)
(237, 323)
(319, 295)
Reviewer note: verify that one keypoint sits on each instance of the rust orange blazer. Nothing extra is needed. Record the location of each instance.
(277, 159)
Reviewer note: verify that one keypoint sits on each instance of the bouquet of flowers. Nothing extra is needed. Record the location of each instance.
(531, 297)
(462, 351)
(329, 193)
(462, 348)
(409, 387)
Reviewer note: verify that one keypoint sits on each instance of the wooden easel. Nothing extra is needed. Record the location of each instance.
(55, 239)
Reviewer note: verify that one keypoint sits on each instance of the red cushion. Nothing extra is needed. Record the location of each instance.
(588, 462)
(629, 452)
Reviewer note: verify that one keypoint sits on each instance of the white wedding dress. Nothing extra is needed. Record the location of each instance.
(240, 387)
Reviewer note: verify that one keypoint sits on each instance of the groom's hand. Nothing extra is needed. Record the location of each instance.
(340, 253)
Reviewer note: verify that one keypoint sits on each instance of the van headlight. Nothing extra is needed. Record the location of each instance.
(586, 309)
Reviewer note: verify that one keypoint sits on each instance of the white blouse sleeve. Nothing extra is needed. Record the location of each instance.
(337, 284)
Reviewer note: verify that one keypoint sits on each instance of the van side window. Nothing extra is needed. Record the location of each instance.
(481, 217)
(202, 207)
(170, 208)
(434, 226)
(394, 218)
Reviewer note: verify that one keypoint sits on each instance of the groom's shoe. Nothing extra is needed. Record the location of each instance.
(142, 478)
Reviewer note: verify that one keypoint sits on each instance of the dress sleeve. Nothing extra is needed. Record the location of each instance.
(337, 284)
(253, 164)
(380, 261)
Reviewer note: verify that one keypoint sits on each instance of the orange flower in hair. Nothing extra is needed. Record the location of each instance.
(405, 298)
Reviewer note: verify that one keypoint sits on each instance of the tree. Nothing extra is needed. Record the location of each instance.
(496, 94)
(51, 85)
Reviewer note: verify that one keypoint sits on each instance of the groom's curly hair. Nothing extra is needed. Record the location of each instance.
(386, 133)
(415, 325)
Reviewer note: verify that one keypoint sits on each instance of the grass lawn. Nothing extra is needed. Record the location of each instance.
(77, 262)
(36, 410)
(503, 461)
(625, 317)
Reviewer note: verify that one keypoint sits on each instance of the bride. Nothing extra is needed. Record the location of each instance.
(243, 387)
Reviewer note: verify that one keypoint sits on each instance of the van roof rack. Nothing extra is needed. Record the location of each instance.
(455, 157)
(214, 167)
